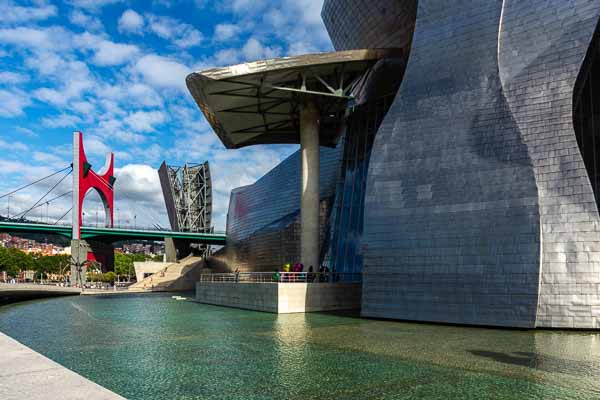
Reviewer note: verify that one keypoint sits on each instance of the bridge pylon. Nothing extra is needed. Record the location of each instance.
(85, 179)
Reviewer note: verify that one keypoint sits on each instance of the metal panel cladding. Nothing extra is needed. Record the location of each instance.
(479, 208)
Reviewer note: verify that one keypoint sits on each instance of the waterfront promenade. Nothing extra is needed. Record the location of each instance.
(10, 293)
(25, 374)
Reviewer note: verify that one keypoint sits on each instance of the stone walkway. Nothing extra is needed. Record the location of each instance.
(25, 374)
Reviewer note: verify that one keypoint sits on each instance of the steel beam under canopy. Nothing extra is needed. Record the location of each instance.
(260, 102)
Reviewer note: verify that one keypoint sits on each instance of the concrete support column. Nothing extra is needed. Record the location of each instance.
(309, 193)
(79, 251)
(170, 250)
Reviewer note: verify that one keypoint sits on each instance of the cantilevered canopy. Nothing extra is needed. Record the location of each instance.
(259, 102)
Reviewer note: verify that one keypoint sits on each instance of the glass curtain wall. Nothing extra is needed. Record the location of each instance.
(587, 115)
(347, 221)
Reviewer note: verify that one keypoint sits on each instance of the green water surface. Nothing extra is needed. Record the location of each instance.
(154, 347)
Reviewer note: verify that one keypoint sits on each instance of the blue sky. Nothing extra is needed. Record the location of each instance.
(116, 71)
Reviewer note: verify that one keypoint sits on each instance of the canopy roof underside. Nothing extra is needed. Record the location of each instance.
(259, 102)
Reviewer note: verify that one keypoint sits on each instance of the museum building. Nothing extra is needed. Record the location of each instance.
(459, 172)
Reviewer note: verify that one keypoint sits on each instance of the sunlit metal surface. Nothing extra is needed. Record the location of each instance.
(259, 102)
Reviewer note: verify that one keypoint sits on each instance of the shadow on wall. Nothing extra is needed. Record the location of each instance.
(217, 263)
(333, 296)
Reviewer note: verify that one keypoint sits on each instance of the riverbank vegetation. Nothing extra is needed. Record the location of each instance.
(13, 261)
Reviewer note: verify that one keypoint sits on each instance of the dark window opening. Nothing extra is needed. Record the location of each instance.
(586, 115)
(347, 224)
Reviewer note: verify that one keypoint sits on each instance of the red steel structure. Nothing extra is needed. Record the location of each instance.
(85, 179)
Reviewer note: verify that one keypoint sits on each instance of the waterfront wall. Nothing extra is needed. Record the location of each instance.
(281, 298)
(13, 293)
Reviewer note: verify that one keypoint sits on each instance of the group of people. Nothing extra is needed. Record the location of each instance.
(297, 274)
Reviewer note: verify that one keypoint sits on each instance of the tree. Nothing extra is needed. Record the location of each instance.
(109, 277)
(14, 260)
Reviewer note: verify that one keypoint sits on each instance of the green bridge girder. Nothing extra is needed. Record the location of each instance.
(113, 234)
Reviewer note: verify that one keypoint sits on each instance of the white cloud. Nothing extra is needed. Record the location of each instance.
(13, 146)
(92, 5)
(12, 13)
(227, 57)
(138, 193)
(245, 6)
(144, 95)
(61, 121)
(86, 21)
(25, 131)
(131, 22)
(162, 71)
(106, 52)
(83, 107)
(181, 34)
(297, 23)
(54, 38)
(48, 158)
(110, 53)
(254, 50)
(225, 32)
(139, 183)
(144, 121)
(13, 102)
(12, 78)
(72, 78)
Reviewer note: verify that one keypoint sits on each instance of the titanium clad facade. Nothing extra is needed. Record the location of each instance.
(545, 48)
(263, 221)
(363, 24)
(479, 207)
(468, 191)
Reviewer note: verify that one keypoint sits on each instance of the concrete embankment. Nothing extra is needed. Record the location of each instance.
(26, 374)
(11, 293)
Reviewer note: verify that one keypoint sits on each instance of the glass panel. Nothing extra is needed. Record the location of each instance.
(586, 116)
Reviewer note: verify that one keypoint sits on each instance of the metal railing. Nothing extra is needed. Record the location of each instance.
(282, 277)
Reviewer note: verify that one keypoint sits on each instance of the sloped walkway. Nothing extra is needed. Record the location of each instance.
(26, 374)
(174, 277)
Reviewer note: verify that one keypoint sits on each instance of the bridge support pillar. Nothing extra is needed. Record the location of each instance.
(79, 256)
(104, 253)
(176, 249)
(170, 250)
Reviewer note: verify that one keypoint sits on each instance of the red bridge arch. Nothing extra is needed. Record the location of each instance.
(85, 179)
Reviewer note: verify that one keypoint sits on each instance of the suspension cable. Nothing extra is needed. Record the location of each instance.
(64, 215)
(37, 181)
(22, 215)
(49, 201)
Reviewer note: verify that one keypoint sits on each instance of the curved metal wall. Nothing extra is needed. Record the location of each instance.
(451, 219)
(263, 227)
(479, 208)
(541, 48)
(362, 24)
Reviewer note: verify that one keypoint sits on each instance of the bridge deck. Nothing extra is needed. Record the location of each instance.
(113, 234)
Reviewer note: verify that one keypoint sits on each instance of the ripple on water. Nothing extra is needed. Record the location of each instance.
(153, 347)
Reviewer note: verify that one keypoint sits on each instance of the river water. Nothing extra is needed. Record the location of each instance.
(154, 347)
